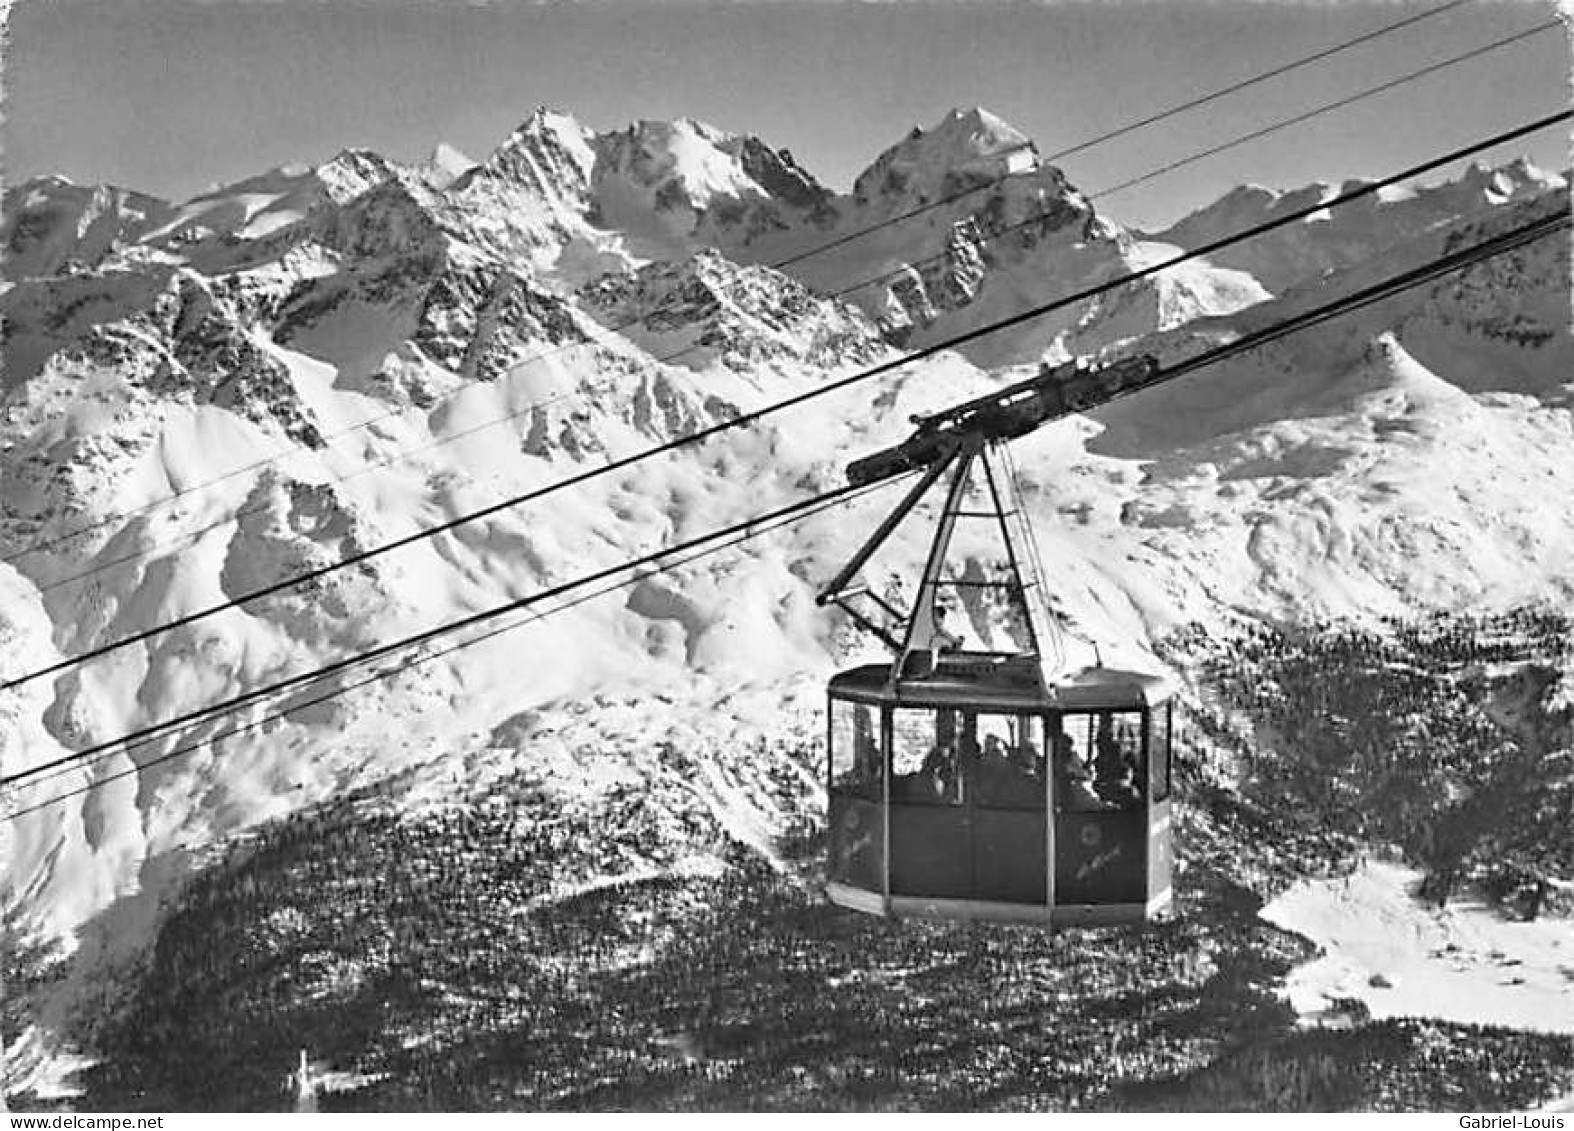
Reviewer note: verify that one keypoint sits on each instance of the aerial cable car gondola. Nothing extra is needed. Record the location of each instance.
(1012, 781)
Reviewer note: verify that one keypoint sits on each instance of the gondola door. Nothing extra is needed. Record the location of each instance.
(1006, 808)
(930, 815)
(968, 816)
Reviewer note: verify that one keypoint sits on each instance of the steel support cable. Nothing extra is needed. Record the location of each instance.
(1222, 147)
(756, 415)
(1130, 127)
(419, 660)
(383, 651)
(1457, 260)
(1426, 272)
(1500, 244)
(890, 221)
(884, 277)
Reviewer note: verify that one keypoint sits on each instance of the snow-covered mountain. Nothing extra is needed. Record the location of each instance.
(1354, 232)
(203, 398)
(50, 225)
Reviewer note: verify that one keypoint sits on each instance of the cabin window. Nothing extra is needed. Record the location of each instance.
(926, 758)
(856, 762)
(1008, 762)
(1098, 760)
(1071, 758)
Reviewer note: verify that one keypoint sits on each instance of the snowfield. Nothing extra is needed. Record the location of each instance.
(1465, 962)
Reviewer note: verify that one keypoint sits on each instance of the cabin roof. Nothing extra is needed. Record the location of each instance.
(1006, 684)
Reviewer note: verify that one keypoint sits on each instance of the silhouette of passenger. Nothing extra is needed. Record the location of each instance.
(1107, 756)
(1000, 781)
(938, 775)
(1072, 787)
(1028, 758)
(995, 751)
(1122, 793)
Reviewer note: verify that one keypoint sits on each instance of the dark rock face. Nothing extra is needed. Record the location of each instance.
(51, 226)
(225, 367)
(388, 220)
(482, 323)
(780, 176)
(744, 315)
(534, 157)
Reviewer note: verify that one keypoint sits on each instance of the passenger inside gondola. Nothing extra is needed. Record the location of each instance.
(935, 782)
(1073, 788)
(1000, 784)
(1011, 769)
(1122, 792)
(1117, 762)
(1029, 759)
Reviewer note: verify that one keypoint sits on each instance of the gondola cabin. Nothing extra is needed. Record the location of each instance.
(1007, 782)
(971, 793)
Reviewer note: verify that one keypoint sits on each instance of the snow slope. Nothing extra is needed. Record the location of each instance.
(1403, 959)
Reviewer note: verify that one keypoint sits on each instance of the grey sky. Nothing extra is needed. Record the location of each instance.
(170, 96)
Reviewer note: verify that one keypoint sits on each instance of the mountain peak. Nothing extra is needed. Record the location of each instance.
(966, 145)
(665, 131)
(550, 154)
(547, 121)
(968, 135)
(353, 171)
(447, 163)
(986, 128)
(544, 127)
(1519, 177)
(685, 161)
